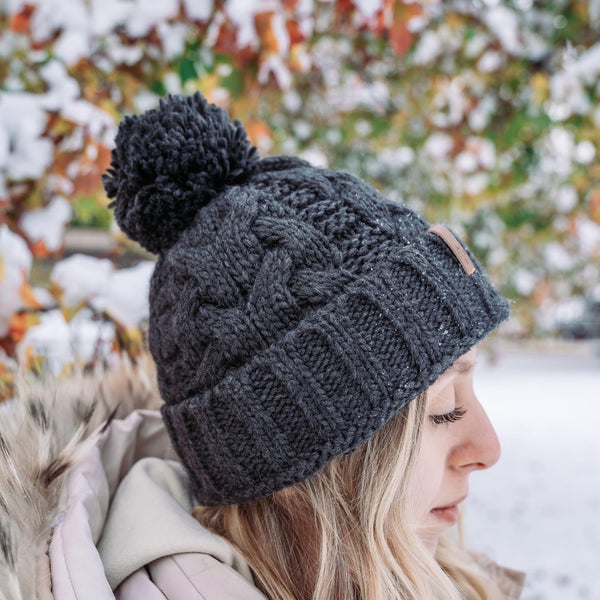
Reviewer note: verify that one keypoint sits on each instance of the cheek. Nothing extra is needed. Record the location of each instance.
(429, 474)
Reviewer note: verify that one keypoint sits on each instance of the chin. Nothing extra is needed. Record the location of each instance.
(430, 539)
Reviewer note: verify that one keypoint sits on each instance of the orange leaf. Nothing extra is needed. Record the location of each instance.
(257, 130)
(595, 204)
(21, 21)
(28, 297)
(400, 38)
(264, 29)
(39, 250)
(19, 324)
(399, 35)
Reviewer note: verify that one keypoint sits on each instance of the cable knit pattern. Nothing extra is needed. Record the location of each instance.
(293, 316)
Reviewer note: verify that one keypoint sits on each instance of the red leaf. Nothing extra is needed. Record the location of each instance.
(296, 36)
(21, 21)
(400, 38)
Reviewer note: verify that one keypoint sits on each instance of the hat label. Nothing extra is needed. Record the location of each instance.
(455, 246)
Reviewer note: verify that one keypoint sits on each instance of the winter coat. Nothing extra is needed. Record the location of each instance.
(94, 504)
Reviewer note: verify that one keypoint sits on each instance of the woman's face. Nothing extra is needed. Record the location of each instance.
(458, 439)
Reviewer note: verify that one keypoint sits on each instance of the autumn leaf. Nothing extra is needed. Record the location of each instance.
(264, 28)
(39, 250)
(259, 133)
(19, 324)
(540, 84)
(21, 21)
(293, 29)
(594, 201)
(399, 35)
(28, 297)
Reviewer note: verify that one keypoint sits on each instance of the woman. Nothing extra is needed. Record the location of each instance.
(314, 346)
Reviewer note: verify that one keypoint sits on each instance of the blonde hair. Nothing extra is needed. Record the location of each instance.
(346, 533)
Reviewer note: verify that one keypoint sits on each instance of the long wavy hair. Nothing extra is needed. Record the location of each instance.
(346, 532)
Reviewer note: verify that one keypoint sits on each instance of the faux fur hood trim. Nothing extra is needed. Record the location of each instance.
(43, 432)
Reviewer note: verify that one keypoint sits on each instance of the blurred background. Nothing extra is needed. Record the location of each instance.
(481, 114)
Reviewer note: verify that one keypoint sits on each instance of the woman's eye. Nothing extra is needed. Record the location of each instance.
(458, 413)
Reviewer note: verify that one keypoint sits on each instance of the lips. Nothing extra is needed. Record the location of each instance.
(449, 513)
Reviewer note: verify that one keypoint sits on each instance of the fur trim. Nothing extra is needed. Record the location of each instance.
(43, 432)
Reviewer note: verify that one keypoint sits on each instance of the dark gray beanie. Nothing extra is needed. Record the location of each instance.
(293, 309)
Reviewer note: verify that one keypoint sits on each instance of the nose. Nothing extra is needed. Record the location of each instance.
(478, 446)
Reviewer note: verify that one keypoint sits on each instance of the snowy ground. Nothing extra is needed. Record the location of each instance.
(538, 509)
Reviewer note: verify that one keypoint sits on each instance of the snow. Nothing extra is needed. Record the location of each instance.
(275, 64)
(476, 45)
(15, 264)
(89, 337)
(200, 10)
(588, 236)
(125, 295)
(368, 7)
(566, 198)
(465, 162)
(585, 152)
(428, 48)
(315, 157)
(567, 86)
(172, 37)
(480, 116)
(72, 46)
(50, 339)
(23, 153)
(476, 183)
(505, 23)
(524, 281)
(63, 343)
(292, 101)
(48, 223)
(438, 145)
(490, 61)
(97, 122)
(81, 277)
(63, 88)
(106, 15)
(557, 157)
(146, 14)
(53, 15)
(396, 158)
(452, 102)
(557, 258)
(241, 12)
(537, 509)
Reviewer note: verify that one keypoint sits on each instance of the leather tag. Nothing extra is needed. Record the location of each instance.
(456, 247)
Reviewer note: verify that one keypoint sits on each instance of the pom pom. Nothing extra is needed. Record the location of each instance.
(170, 162)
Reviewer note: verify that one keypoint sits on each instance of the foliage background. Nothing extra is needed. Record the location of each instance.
(481, 114)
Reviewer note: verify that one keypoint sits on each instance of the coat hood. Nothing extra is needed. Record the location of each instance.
(92, 496)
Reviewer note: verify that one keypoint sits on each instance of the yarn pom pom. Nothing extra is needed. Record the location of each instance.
(170, 162)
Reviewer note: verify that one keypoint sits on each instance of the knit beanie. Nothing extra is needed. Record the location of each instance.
(293, 309)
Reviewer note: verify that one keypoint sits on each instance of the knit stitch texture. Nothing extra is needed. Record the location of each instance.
(293, 314)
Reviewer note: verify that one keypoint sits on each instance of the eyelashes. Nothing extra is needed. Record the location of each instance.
(458, 413)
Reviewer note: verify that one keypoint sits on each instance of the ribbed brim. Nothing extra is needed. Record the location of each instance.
(330, 383)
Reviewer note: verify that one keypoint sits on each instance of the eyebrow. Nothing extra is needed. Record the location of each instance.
(460, 366)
